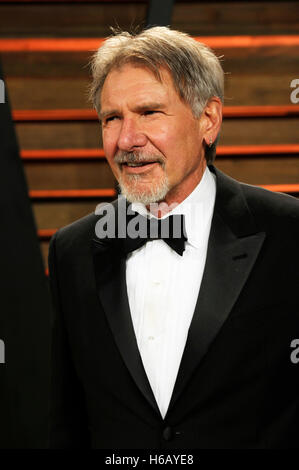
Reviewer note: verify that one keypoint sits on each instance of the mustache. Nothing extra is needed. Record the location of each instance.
(137, 157)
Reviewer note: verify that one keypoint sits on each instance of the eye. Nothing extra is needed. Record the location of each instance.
(110, 118)
(150, 112)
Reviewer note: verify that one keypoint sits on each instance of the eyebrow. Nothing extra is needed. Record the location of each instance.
(138, 108)
(149, 106)
(104, 114)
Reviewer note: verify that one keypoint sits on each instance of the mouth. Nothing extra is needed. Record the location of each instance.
(138, 167)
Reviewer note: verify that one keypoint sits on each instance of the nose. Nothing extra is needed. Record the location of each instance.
(130, 135)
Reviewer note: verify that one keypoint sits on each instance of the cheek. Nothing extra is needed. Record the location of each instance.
(109, 142)
(109, 150)
(175, 147)
(164, 138)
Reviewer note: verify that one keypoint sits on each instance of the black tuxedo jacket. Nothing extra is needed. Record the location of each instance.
(237, 386)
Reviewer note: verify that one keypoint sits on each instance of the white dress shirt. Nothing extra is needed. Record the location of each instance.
(163, 288)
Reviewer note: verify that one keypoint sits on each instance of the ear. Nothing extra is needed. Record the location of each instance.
(211, 120)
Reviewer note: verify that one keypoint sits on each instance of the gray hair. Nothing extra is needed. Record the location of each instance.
(196, 71)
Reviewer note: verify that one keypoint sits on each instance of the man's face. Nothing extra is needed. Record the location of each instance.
(145, 123)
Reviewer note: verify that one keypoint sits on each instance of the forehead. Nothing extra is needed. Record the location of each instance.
(132, 81)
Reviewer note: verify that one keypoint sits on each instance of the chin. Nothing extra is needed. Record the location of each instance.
(144, 194)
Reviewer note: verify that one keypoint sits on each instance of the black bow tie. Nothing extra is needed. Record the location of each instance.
(171, 230)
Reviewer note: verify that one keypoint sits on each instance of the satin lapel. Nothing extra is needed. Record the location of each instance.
(110, 272)
(230, 258)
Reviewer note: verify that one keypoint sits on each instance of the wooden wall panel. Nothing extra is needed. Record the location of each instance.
(259, 77)
(56, 214)
(59, 135)
(47, 80)
(259, 170)
(233, 18)
(69, 175)
(68, 20)
(205, 18)
(46, 64)
(49, 93)
(260, 131)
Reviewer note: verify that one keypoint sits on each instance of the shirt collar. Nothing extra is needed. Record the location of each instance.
(197, 207)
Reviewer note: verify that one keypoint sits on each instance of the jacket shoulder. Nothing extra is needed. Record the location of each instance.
(248, 207)
(260, 201)
(265, 203)
(78, 235)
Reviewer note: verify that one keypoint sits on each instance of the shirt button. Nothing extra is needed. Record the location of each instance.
(150, 338)
(168, 434)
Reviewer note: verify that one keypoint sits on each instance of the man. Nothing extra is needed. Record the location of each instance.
(173, 343)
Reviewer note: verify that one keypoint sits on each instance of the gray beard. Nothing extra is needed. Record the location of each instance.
(155, 193)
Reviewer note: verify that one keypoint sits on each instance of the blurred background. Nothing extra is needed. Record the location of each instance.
(45, 49)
